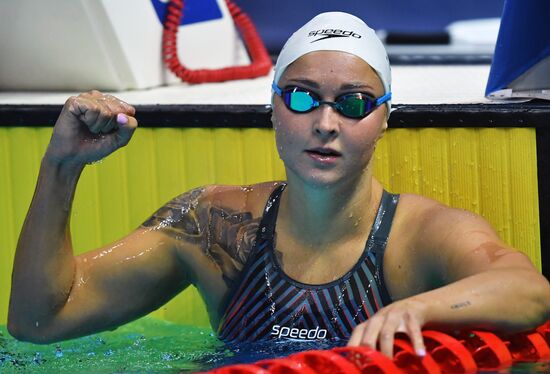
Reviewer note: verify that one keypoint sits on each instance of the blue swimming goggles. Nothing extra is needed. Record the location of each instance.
(351, 105)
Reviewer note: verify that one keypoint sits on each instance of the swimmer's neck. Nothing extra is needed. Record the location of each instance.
(324, 215)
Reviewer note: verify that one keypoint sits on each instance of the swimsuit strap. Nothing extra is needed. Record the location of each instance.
(379, 238)
(384, 218)
(266, 230)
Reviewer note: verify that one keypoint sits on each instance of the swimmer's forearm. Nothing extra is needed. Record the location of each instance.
(500, 299)
(44, 264)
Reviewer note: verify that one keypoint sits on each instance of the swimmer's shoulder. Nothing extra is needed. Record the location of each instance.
(425, 235)
(412, 213)
(250, 198)
(420, 213)
(187, 214)
(435, 230)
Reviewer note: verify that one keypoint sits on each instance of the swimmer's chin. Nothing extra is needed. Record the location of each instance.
(320, 180)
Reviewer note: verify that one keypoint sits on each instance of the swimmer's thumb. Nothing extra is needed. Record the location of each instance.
(126, 127)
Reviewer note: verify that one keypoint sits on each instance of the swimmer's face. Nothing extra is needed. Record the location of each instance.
(323, 147)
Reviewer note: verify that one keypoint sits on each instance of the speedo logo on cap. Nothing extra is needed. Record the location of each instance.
(333, 33)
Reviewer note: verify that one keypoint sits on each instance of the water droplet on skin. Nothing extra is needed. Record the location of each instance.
(96, 162)
(82, 281)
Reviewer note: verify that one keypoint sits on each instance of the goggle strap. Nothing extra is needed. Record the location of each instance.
(276, 89)
(383, 99)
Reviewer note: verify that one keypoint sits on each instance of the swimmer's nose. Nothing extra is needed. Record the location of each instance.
(327, 121)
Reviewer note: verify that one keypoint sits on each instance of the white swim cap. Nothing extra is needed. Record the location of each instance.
(337, 31)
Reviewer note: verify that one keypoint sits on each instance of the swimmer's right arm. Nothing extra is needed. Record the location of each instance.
(56, 295)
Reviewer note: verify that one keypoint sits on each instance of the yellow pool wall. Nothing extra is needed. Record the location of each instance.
(490, 171)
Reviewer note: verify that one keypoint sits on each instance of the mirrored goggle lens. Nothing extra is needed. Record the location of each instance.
(299, 101)
(354, 106)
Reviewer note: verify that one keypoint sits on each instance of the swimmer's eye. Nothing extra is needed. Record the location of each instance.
(299, 99)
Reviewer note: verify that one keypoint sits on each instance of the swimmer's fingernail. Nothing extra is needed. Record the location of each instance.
(421, 352)
(121, 119)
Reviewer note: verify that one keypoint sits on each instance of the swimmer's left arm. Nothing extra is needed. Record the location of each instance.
(481, 275)
(483, 285)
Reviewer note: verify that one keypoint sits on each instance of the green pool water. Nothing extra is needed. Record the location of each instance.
(146, 346)
(153, 346)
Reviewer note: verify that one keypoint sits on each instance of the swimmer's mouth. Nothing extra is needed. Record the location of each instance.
(324, 152)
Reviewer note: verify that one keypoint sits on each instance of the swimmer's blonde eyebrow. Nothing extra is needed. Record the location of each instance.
(346, 86)
(356, 86)
(305, 82)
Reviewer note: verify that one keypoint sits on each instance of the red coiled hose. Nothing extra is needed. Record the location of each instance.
(260, 65)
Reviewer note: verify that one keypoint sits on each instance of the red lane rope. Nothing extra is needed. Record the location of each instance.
(260, 65)
(462, 353)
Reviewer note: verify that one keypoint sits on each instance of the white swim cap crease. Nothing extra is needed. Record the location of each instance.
(337, 31)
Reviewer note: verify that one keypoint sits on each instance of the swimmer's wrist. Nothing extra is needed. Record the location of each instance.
(64, 167)
(61, 178)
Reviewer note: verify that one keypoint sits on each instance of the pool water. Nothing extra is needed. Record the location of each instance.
(147, 345)
(154, 346)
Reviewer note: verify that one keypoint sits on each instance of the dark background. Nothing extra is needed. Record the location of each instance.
(276, 20)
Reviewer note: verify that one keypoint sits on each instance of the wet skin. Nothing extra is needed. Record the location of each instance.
(443, 267)
(329, 75)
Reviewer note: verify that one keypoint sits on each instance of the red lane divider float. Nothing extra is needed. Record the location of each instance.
(406, 359)
(449, 353)
(528, 347)
(285, 366)
(487, 349)
(368, 360)
(326, 362)
(544, 330)
(463, 353)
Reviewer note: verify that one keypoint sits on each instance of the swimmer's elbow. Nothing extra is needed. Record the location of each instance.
(18, 331)
(31, 337)
(537, 312)
(26, 332)
(546, 302)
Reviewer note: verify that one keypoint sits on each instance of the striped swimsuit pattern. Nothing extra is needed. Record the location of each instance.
(268, 304)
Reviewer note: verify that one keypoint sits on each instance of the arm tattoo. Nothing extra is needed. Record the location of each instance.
(461, 305)
(226, 237)
(231, 237)
(178, 217)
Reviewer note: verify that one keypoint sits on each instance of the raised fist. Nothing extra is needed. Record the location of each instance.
(91, 126)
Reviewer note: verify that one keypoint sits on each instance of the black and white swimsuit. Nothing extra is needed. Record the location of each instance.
(268, 304)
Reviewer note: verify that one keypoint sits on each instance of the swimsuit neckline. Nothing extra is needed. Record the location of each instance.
(271, 252)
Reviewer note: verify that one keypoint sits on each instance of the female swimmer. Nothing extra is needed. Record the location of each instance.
(326, 254)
